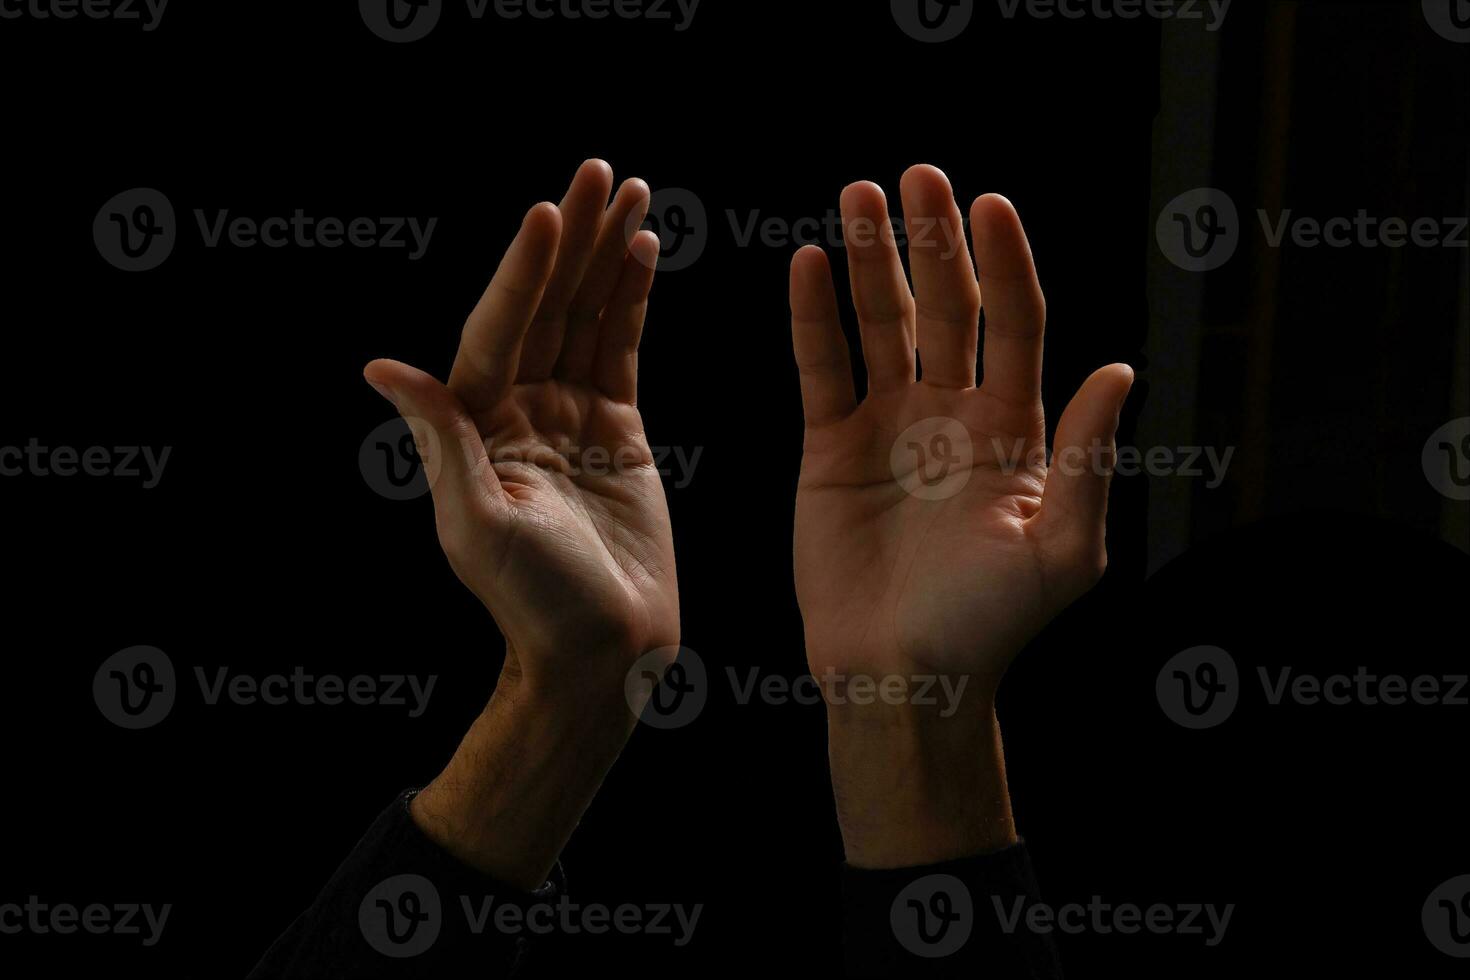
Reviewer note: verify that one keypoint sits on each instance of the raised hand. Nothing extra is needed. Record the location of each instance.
(550, 509)
(546, 497)
(932, 538)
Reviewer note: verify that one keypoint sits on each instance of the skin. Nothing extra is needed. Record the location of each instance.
(544, 486)
(890, 584)
(894, 585)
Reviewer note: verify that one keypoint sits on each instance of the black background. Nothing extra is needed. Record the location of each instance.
(263, 548)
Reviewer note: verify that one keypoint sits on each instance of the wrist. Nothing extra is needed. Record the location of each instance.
(581, 693)
(914, 786)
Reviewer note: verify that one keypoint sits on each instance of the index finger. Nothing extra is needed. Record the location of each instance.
(490, 344)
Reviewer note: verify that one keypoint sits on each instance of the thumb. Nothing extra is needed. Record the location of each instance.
(1074, 505)
(453, 454)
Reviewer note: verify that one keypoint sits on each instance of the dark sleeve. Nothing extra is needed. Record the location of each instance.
(401, 907)
(959, 918)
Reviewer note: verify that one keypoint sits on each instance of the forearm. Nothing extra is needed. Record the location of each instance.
(526, 771)
(913, 787)
(932, 852)
(489, 828)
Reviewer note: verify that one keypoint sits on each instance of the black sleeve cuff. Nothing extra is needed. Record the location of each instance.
(399, 906)
(956, 918)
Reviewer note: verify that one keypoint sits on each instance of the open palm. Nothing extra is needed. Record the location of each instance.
(930, 534)
(546, 497)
